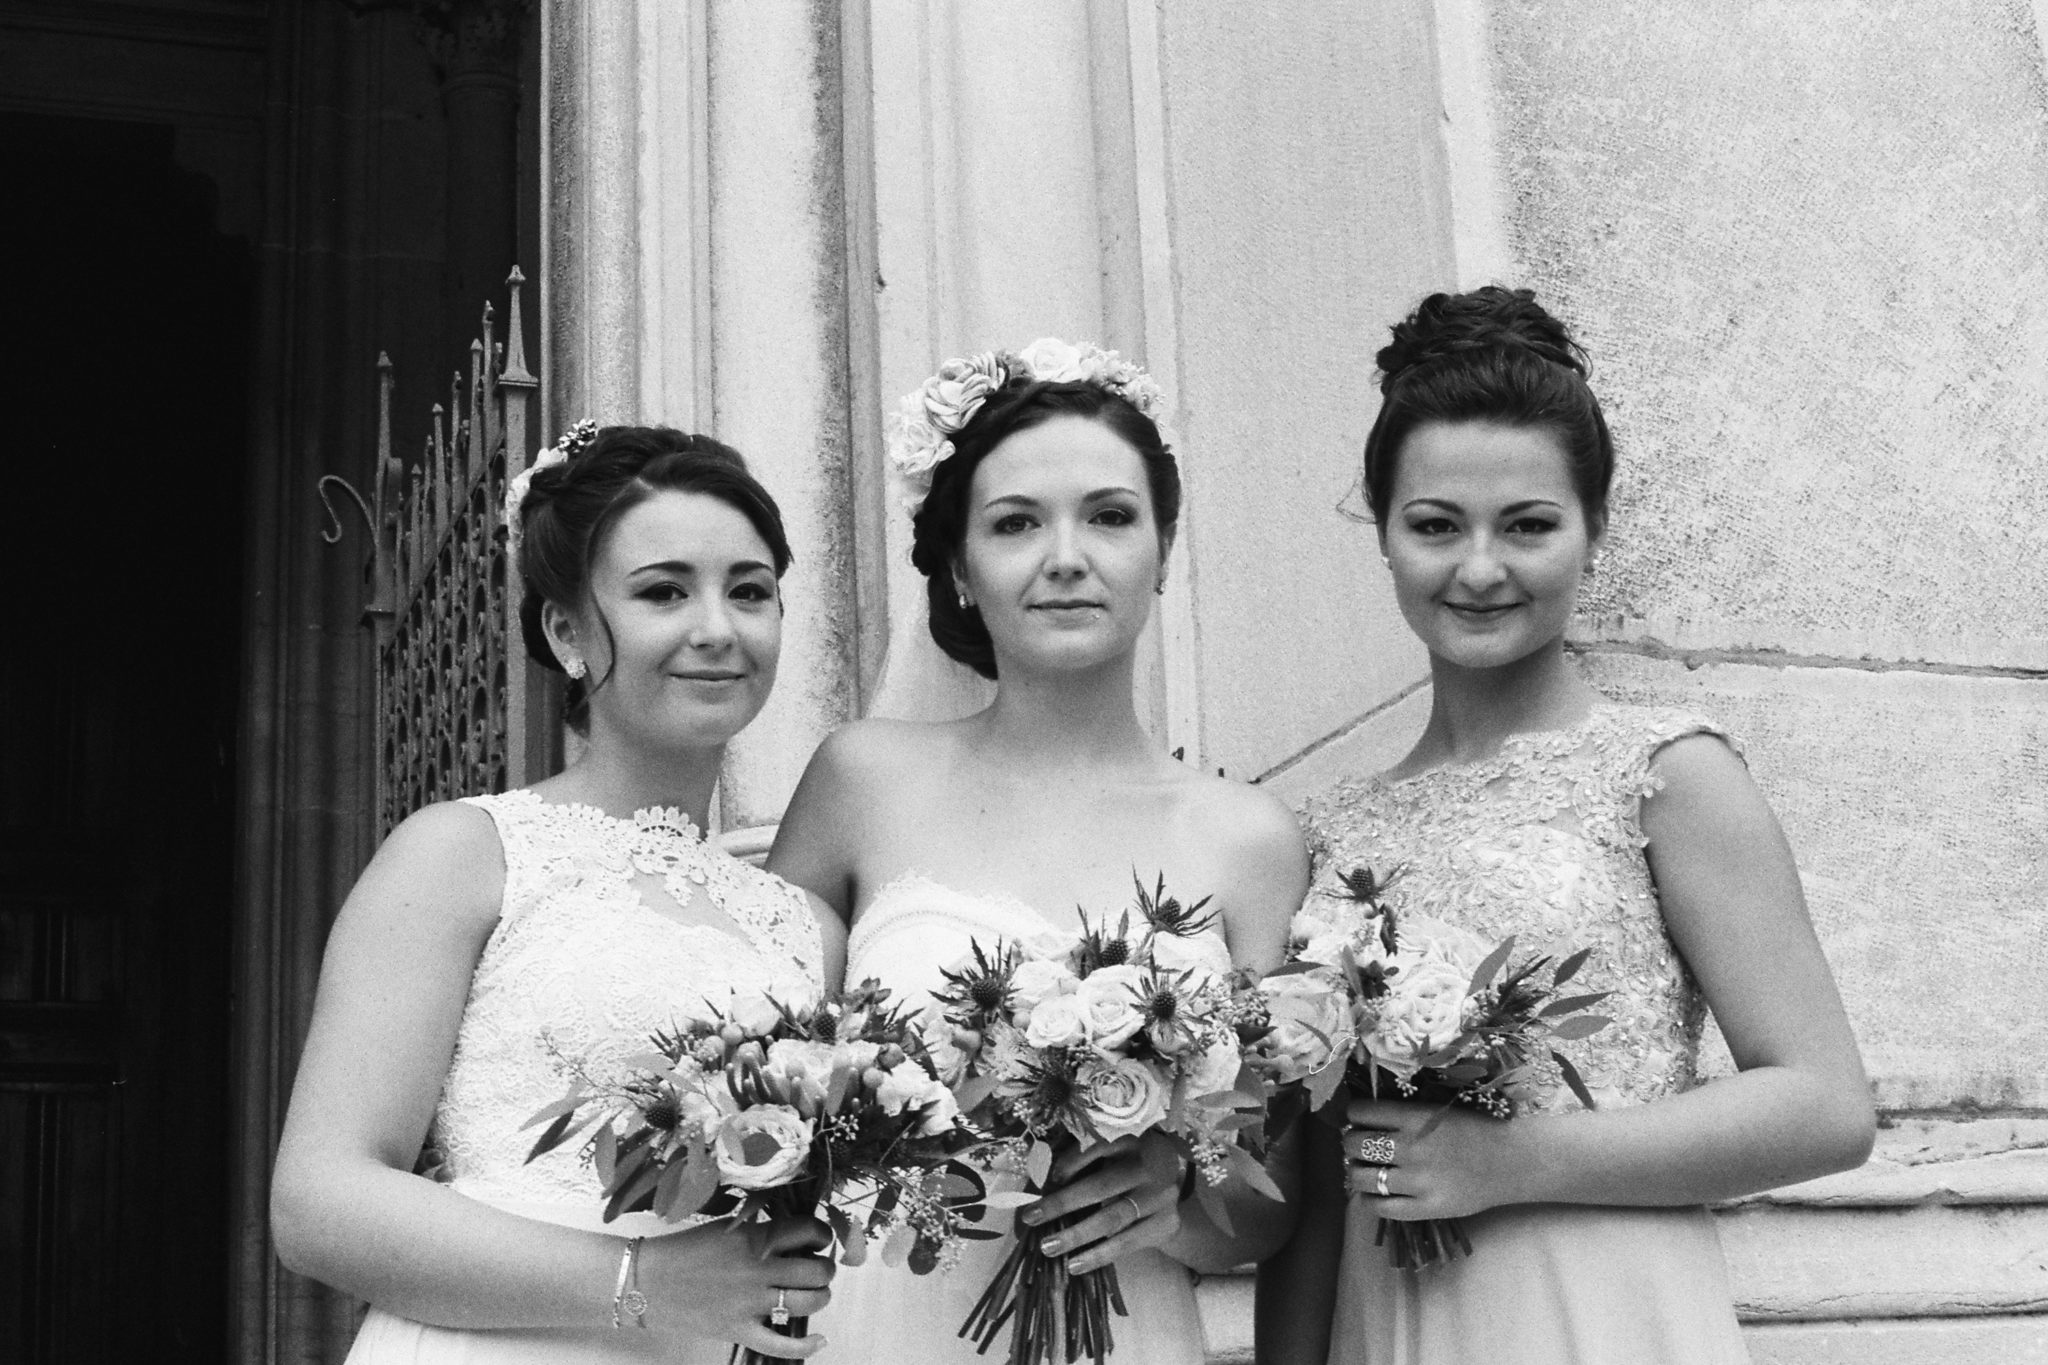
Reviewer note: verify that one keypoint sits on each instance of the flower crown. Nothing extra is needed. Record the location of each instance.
(922, 428)
(574, 441)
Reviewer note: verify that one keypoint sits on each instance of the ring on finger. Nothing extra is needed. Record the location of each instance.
(1379, 1182)
(1376, 1149)
(779, 1314)
(1137, 1214)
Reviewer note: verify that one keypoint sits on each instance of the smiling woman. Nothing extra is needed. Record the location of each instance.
(497, 941)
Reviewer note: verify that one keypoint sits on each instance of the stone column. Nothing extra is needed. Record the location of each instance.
(694, 246)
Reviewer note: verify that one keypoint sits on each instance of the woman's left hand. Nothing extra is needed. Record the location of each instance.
(1133, 1186)
(1437, 1162)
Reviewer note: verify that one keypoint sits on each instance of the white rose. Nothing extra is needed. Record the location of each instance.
(1311, 1021)
(1422, 1013)
(799, 1059)
(1121, 1097)
(1053, 360)
(1060, 1021)
(936, 1031)
(754, 1012)
(1109, 998)
(1036, 981)
(1215, 1071)
(907, 1085)
(1205, 955)
(762, 1147)
(1429, 940)
(707, 1107)
(943, 1108)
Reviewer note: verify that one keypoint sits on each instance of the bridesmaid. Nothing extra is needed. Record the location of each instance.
(1534, 806)
(494, 939)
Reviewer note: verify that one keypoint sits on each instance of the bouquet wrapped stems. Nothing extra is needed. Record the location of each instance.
(784, 1204)
(1431, 1241)
(1051, 1305)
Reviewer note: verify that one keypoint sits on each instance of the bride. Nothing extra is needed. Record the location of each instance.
(1048, 505)
(496, 940)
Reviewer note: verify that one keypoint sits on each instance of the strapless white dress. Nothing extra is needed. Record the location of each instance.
(914, 928)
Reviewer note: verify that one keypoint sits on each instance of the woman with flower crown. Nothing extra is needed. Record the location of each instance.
(1044, 505)
(499, 944)
(1533, 806)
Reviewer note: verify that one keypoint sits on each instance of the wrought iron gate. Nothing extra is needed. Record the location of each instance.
(459, 708)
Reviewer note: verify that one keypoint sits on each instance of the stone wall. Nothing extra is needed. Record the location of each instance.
(1806, 246)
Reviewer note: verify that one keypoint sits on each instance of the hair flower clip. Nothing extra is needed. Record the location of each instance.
(924, 423)
(573, 443)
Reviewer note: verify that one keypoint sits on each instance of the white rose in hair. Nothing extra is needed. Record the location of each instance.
(1110, 999)
(762, 1147)
(1059, 1021)
(1121, 1097)
(1053, 360)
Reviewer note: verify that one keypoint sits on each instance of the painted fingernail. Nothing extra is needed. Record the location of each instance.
(1051, 1246)
(1081, 1265)
(1032, 1215)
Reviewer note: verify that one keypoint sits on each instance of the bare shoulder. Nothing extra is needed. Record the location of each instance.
(1699, 776)
(1243, 819)
(880, 746)
(445, 855)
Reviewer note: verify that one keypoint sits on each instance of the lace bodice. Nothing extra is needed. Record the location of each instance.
(585, 964)
(1543, 841)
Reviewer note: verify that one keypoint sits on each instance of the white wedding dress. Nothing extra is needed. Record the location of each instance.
(886, 1315)
(587, 961)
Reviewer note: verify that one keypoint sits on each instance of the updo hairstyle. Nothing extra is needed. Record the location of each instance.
(939, 530)
(570, 508)
(1492, 355)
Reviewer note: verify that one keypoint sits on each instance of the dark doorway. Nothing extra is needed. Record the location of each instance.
(123, 376)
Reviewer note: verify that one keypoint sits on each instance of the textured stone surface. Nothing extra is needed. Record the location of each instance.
(1819, 1264)
(1936, 1161)
(1308, 214)
(1807, 246)
(2002, 1340)
(1917, 807)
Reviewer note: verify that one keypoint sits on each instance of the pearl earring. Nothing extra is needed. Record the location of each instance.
(575, 667)
(964, 603)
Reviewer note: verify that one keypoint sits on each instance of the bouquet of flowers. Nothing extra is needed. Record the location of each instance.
(1417, 1010)
(1064, 1042)
(764, 1110)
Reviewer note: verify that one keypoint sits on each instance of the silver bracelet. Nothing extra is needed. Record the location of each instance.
(627, 1300)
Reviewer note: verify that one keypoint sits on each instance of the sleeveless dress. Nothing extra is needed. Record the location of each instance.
(582, 967)
(1543, 841)
(886, 1315)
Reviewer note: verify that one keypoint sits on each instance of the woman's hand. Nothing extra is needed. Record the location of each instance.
(720, 1283)
(1437, 1162)
(1133, 1186)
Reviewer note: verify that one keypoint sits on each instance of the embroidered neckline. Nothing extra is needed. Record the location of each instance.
(1515, 746)
(659, 819)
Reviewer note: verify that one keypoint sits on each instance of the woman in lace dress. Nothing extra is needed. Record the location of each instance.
(1533, 806)
(495, 942)
(1051, 504)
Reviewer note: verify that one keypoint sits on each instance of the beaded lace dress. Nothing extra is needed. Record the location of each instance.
(610, 930)
(1543, 841)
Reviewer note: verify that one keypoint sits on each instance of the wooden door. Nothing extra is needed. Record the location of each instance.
(121, 377)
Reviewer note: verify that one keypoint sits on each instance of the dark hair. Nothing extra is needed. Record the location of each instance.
(939, 530)
(571, 507)
(1492, 355)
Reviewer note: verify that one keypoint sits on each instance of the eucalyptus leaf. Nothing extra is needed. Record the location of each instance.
(1572, 1002)
(1569, 968)
(1579, 1026)
(1483, 974)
